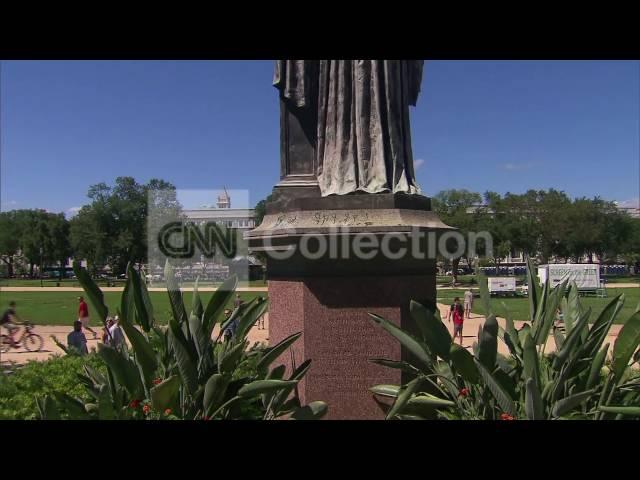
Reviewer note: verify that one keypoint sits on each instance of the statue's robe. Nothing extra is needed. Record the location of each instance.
(363, 133)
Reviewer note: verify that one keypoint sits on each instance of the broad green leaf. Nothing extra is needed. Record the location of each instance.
(424, 406)
(144, 317)
(105, 405)
(186, 366)
(571, 342)
(75, 408)
(165, 394)
(558, 338)
(124, 371)
(435, 332)
(196, 304)
(542, 332)
(534, 289)
(596, 367)
(407, 340)
(488, 342)
(573, 310)
(231, 358)
(621, 410)
(534, 407)
(175, 296)
(214, 391)
(405, 393)
(510, 337)
(531, 368)
(564, 406)
(215, 307)
(94, 294)
(386, 390)
(143, 350)
(502, 397)
(484, 293)
(264, 386)
(249, 317)
(313, 411)
(463, 362)
(599, 330)
(47, 408)
(404, 366)
(625, 345)
(274, 352)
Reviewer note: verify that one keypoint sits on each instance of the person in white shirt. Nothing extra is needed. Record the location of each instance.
(468, 303)
(117, 336)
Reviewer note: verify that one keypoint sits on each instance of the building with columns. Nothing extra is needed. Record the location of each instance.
(223, 214)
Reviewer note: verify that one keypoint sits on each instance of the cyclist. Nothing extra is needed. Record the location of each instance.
(10, 320)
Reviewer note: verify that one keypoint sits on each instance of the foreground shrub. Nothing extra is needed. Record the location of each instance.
(56, 376)
(570, 383)
(180, 371)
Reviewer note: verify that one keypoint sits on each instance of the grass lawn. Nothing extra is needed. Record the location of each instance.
(116, 283)
(61, 308)
(623, 279)
(519, 306)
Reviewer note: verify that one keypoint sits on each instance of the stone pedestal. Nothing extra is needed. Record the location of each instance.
(328, 297)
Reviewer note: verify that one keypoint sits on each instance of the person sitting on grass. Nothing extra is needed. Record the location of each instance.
(77, 340)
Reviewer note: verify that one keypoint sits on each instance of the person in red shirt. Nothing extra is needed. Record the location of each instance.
(457, 314)
(83, 316)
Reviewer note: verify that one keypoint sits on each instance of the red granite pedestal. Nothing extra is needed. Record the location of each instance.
(339, 336)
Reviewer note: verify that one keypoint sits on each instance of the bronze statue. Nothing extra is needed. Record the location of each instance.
(345, 124)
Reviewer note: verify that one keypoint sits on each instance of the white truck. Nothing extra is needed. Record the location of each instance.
(501, 285)
(586, 275)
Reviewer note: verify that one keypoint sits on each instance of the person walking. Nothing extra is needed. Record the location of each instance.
(83, 316)
(456, 313)
(76, 339)
(468, 303)
(117, 336)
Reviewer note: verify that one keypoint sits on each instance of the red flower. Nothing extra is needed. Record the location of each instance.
(156, 381)
(464, 392)
(167, 411)
(134, 404)
(146, 409)
(506, 416)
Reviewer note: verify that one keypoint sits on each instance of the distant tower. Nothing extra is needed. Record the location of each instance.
(224, 200)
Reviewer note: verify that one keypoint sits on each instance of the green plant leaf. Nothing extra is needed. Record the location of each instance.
(214, 391)
(405, 393)
(249, 317)
(75, 408)
(549, 316)
(95, 295)
(596, 367)
(625, 345)
(564, 406)
(435, 332)
(47, 409)
(531, 368)
(404, 366)
(488, 342)
(534, 407)
(175, 296)
(407, 340)
(186, 366)
(264, 386)
(386, 390)
(124, 371)
(620, 410)
(231, 358)
(274, 352)
(105, 405)
(463, 362)
(142, 304)
(143, 350)
(570, 344)
(534, 289)
(484, 293)
(215, 307)
(502, 397)
(312, 411)
(165, 394)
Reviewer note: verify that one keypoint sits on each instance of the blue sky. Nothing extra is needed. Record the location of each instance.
(480, 125)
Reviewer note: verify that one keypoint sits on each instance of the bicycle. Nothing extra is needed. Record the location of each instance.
(31, 341)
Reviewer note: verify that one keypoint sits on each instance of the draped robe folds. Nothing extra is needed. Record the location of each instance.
(363, 132)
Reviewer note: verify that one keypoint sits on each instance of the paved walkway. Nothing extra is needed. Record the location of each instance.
(470, 335)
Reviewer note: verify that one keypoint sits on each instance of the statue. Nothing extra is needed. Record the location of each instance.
(346, 124)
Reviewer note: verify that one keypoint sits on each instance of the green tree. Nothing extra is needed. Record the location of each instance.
(112, 229)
